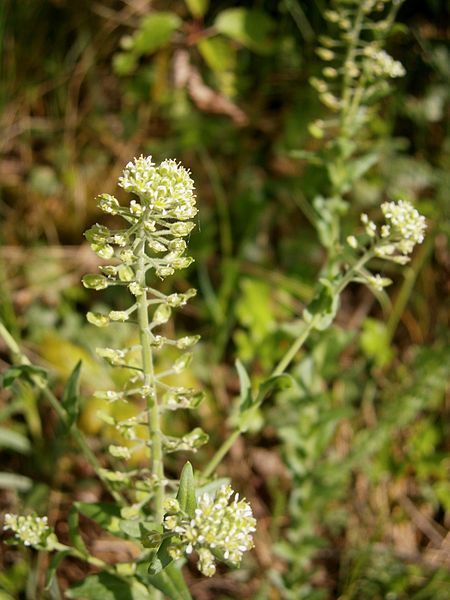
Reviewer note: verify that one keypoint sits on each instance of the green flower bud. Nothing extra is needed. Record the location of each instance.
(127, 256)
(156, 246)
(164, 272)
(97, 319)
(187, 341)
(162, 314)
(105, 251)
(183, 262)
(125, 273)
(182, 229)
(108, 204)
(95, 282)
(109, 270)
(182, 363)
(135, 289)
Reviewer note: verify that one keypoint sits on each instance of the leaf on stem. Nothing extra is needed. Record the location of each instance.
(70, 398)
(30, 373)
(186, 491)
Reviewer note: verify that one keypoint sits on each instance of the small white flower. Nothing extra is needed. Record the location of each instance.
(31, 530)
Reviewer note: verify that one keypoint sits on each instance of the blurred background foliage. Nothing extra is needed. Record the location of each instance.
(348, 472)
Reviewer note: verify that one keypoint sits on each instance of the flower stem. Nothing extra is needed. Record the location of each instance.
(149, 381)
(220, 454)
(295, 347)
(279, 369)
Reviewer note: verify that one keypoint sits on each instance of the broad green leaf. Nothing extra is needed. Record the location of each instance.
(155, 32)
(27, 372)
(105, 586)
(186, 491)
(70, 398)
(14, 481)
(54, 563)
(14, 441)
(218, 53)
(250, 27)
(171, 582)
(197, 8)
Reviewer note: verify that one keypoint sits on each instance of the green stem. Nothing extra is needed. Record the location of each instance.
(410, 276)
(60, 411)
(220, 454)
(348, 277)
(295, 347)
(154, 418)
(279, 369)
(346, 87)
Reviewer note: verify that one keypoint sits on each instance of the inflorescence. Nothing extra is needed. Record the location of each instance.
(31, 530)
(357, 67)
(221, 528)
(159, 217)
(395, 240)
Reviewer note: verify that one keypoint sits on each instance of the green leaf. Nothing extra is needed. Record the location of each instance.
(250, 27)
(109, 517)
(197, 8)
(155, 32)
(277, 382)
(74, 533)
(186, 491)
(28, 372)
(218, 53)
(246, 398)
(70, 398)
(323, 308)
(13, 481)
(14, 441)
(105, 586)
(171, 582)
(361, 165)
(54, 563)
(162, 558)
(106, 515)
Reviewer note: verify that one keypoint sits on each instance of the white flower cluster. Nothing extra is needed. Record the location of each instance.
(31, 530)
(167, 189)
(220, 529)
(404, 227)
(381, 64)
